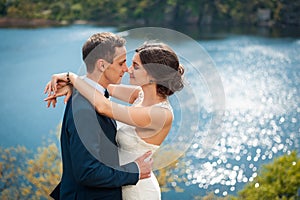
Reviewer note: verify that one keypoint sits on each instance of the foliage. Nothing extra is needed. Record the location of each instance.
(12, 163)
(24, 175)
(278, 180)
(171, 175)
(43, 172)
(147, 12)
(24, 178)
(211, 196)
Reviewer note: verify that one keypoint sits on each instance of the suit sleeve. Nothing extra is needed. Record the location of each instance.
(88, 170)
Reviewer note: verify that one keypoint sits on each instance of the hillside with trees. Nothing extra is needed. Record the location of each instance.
(149, 12)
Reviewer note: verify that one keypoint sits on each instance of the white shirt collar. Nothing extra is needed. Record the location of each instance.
(94, 84)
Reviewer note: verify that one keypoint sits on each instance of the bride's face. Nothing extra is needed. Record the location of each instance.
(138, 74)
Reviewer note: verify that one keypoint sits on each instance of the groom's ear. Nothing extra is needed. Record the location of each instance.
(100, 65)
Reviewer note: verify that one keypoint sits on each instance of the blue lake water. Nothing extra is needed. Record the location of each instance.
(260, 77)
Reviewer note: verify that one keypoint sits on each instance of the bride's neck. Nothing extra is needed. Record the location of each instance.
(150, 95)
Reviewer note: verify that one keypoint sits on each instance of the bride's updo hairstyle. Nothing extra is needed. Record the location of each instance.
(162, 63)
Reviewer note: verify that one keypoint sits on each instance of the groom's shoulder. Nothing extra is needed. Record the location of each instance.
(79, 102)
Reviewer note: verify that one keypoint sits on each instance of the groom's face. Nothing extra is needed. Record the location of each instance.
(116, 70)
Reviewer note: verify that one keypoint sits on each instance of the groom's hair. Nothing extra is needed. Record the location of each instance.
(100, 46)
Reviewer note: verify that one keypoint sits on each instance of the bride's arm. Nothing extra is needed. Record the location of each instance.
(58, 87)
(150, 117)
(126, 93)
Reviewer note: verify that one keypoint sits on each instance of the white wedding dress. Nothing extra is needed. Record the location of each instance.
(131, 146)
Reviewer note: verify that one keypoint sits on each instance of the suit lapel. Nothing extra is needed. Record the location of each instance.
(113, 122)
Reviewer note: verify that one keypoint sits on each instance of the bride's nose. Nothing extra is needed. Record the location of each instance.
(130, 70)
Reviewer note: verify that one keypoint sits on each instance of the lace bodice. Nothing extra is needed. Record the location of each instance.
(131, 146)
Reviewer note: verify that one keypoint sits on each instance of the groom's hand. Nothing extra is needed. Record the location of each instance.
(145, 165)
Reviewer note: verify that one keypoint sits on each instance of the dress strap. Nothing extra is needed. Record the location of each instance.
(139, 99)
(165, 104)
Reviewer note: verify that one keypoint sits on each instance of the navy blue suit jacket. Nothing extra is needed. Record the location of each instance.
(90, 155)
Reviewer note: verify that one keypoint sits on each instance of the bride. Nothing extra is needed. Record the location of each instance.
(156, 74)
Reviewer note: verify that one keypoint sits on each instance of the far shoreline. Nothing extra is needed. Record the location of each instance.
(211, 31)
(6, 22)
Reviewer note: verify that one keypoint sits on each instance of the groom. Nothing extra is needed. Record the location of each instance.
(89, 151)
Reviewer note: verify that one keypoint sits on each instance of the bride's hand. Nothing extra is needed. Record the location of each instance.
(56, 81)
(65, 90)
(49, 89)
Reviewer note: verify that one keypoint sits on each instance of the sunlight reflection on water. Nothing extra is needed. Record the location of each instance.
(261, 83)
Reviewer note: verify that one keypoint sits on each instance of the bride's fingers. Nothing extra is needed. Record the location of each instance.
(54, 84)
(49, 98)
(48, 103)
(54, 101)
(67, 97)
(61, 83)
(59, 86)
(48, 86)
(61, 92)
(51, 101)
(56, 80)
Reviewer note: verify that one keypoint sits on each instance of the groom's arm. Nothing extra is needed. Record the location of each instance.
(86, 168)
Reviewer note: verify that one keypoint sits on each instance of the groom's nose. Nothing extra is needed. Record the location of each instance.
(124, 67)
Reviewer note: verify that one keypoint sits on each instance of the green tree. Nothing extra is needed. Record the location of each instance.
(26, 176)
(22, 177)
(12, 164)
(278, 180)
(157, 12)
(3, 11)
